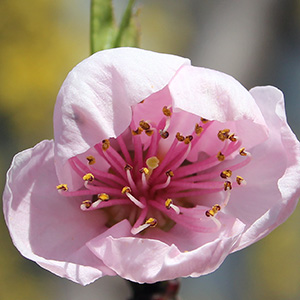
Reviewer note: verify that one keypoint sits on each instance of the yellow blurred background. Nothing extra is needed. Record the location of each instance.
(257, 41)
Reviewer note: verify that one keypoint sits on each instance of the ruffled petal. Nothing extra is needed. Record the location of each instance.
(95, 100)
(46, 227)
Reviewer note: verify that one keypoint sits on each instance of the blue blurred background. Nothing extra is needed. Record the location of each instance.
(257, 42)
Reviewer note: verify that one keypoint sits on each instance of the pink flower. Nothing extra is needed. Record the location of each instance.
(158, 170)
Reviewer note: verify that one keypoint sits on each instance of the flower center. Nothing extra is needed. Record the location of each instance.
(151, 181)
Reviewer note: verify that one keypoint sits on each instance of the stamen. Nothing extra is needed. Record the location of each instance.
(220, 156)
(170, 173)
(86, 204)
(203, 120)
(243, 152)
(226, 174)
(233, 137)
(151, 222)
(167, 111)
(103, 197)
(223, 134)
(91, 159)
(240, 180)
(169, 204)
(198, 129)
(188, 139)
(213, 211)
(227, 185)
(105, 145)
(130, 180)
(127, 190)
(138, 131)
(149, 132)
(164, 134)
(144, 125)
(179, 137)
(62, 187)
(88, 177)
(144, 170)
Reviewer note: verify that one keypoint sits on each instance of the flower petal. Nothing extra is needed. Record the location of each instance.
(46, 227)
(95, 100)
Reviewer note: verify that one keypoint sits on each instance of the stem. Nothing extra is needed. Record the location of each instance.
(165, 290)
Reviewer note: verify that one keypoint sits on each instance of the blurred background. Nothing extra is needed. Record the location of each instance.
(257, 42)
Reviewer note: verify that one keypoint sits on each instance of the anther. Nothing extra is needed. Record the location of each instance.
(91, 159)
(144, 125)
(232, 137)
(240, 180)
(88, 177)
(220, 156)
(179, 137)
(103, 197)
(198, 129)
(62, 187)
(169, 204)
(243, 152)
(212, 212)
(126, 189)
(223, 134)
(86, 204)
(152, 222)
(167, 111)
(170, 173)
(203, 120)
(128, 167)
(144, 171)
(188, 139)
(227, 185)
(226, 174)
(138, 131)
(164, 134)
(149, 132)
(105, 145)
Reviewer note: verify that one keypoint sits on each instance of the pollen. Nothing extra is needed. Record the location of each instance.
(138, 131)
(220, 156)
(227, 185)
(152, 222)
(223, 134)
(239, 180)
(243, 152)
(226, 174)
(88, 177)
(126, 189)
(167, 111)
(103, 197)
(62, 187)
(144, 125)
(179, 137)
(91, 159)
(213, 211)
(164, 134)
(152, 162)
(198, 129)
(105, 145)
(188, 139)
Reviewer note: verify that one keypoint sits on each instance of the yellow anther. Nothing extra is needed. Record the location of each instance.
(203, 120)
(170, 173)
(105, 145)
(164, 134)
(239, 180)
(152, 222)
(138, 131)
(144, 170)
(87, 203)
(88, 177)
(91, 159)
(167, 111)
(142, 101)
(188, 139)
(220, 156)
(126, 189)
(168, 203)
(223, 134)
(144, 125)
(62, 187)
(179, 137)
(227, 185)
(226, 174)
(232, 137)
(152, 162)
(128, 167)
(149, 132)
(243, 152)
(212, 212)
(198, 129)
(103, 197)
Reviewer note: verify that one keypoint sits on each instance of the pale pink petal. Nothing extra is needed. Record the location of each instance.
(95, 100)
(273, 176)
(46, 227)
